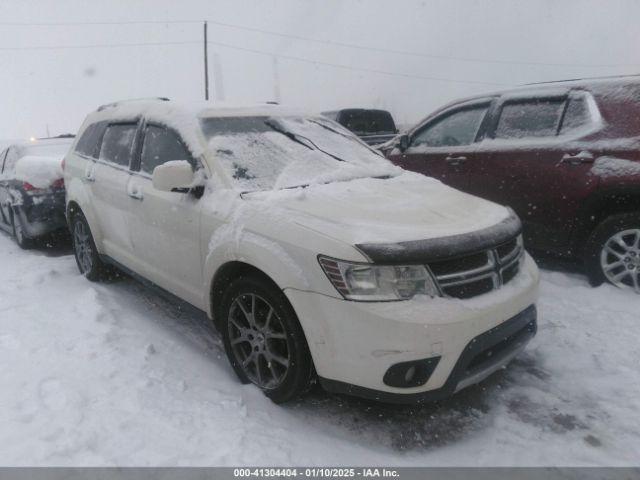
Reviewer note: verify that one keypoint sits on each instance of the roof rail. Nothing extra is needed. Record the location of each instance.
(586, 78)
(120, 102)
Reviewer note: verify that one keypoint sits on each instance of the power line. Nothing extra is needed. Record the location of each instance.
(413, 54)
(350, 67)
(251, 50)
(98, 45)
(325, 42)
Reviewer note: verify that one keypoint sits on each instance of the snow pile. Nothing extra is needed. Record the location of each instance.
(39, 171)
(615, 167)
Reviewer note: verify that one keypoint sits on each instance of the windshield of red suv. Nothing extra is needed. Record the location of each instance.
(265, 153)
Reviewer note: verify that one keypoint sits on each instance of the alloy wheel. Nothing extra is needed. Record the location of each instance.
(620, 259)
(258, 340)
(82, 246)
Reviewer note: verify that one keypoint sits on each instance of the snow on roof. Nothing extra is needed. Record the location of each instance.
(133, 108)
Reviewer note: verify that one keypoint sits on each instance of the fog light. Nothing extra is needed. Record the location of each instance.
(410, 374)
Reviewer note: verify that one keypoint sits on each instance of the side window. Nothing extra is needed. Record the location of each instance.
(117, 143)
(3, 155)
(530, 118)
(162, 145)
(458, 128)
(9, 162)
(89, 143)
(576, 115)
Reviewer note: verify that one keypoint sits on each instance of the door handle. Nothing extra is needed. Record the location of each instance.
(455, 160)
(90, 174)
(135, 193)
(577, 159)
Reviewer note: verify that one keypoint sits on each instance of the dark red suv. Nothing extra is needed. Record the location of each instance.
(565, 156)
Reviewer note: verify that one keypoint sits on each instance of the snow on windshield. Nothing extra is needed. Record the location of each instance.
(265, 153)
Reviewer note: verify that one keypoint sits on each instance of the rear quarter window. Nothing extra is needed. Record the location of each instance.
(576, 115)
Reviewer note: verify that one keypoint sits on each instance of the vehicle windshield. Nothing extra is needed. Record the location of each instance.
(266, 153)
(368, 122)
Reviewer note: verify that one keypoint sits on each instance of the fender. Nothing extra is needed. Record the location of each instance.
(605, 201)
(259, 252)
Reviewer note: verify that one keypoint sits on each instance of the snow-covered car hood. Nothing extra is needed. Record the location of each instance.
(404, 208)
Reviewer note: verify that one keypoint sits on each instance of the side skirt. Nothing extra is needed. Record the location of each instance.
(167, 295)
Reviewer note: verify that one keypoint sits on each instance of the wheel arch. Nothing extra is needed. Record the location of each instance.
(227, 273)
(598, 208)
(78, 201)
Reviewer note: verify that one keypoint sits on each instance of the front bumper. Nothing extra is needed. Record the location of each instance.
(353, 344)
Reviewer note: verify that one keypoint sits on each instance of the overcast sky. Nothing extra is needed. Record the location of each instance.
(436, 50)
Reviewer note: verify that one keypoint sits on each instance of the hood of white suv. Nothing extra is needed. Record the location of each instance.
(371, 210)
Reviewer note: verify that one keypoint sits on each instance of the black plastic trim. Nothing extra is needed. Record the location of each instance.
(424, 251)
(521, 328)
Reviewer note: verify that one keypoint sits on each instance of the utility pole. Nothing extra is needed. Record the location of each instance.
(206, 65)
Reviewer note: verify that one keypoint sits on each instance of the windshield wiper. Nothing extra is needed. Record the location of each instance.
(350, 137)
(290, 135)
(296, 138)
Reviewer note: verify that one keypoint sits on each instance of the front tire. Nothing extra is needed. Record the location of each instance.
(613, 252)
(85, 251)
(263, 339)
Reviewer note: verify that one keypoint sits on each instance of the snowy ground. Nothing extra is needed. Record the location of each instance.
(113, 374)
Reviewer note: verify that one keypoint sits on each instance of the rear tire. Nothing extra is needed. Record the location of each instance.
(85, 251)
(612, 253)
(263, 339)
(22, 240)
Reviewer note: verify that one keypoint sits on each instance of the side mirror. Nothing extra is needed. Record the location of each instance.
(176, 175)
(403, 143)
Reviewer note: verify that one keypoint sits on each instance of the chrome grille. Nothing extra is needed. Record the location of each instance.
(471, 275)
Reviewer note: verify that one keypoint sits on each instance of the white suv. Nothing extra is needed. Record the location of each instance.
(315, 257)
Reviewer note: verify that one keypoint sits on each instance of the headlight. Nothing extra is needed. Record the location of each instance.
(366, 282)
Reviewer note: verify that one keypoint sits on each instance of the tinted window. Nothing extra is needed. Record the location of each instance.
(10, 162)
(531, 118)
(3, 154)
(88, 144)
(117, 143)
(160, 146)
(459, 128)
(367, 122)
(576, 115)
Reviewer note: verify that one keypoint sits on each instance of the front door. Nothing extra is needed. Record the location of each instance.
(445, 145)
(165, 226)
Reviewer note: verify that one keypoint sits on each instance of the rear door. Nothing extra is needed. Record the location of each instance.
(444, 145)
(165, 226)
(4, 193)
(9, 187)
(110, 178)
(535, 162)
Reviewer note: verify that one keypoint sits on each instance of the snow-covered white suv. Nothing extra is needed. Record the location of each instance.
(314, 256)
